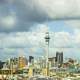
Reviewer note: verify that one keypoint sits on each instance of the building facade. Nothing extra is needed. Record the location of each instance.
(59, 57)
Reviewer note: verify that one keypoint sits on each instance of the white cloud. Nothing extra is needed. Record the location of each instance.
(36, 38)
(41, 28)
(35, 11)
(60, 41)
(77, 38)
(8, 22)
(56, 8)
(74, 24)
(63, 39)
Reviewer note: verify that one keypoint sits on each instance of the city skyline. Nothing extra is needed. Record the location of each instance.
(23, 24)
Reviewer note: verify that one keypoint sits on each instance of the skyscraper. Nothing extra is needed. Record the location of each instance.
(59, 57)
(31, 59)
(22, 62)
(52, 60)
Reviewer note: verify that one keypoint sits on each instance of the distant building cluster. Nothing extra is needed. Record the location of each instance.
(23, 62)
(54, 63)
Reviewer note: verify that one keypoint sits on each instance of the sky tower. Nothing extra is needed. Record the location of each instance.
(47, 39)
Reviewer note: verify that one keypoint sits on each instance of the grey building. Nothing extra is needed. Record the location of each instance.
(59, 57)
(31, 59)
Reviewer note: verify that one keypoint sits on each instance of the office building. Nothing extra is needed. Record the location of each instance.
(22, 62)
(31, 59)
(52, 61)
(59, 57)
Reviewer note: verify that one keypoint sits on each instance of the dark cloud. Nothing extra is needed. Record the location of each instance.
(25, 16)
(29, 12)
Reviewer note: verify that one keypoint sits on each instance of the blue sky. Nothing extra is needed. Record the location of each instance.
(23, 24)
(58, 26)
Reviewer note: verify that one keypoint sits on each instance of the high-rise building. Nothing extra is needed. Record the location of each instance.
(22, 62)
(59, 57)
(1, 64)
(42, 62)
(31, 59)
(52, 61)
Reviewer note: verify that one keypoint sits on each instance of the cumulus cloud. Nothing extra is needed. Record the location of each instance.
(63, 39)
(8, 22)
(36, 38)
(33, 42)
(75, 24)
(20, 16)
(54, 8)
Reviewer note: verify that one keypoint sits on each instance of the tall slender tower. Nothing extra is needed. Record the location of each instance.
(47, 38)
